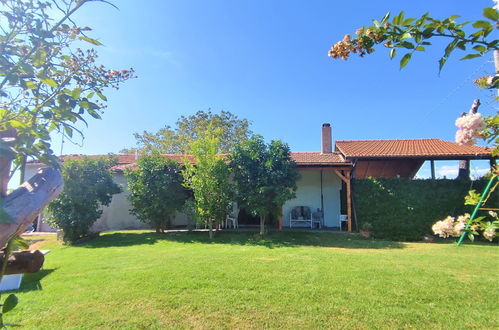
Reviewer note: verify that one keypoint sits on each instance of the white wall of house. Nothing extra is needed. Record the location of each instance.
(309, 194)
(116, 215)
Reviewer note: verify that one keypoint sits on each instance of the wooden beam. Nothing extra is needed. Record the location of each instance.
(349, 202)
(341, 176)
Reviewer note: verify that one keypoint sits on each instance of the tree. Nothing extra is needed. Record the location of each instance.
(264, 175)
(88, 185)
(47, 85)
(230, 128)
(413, 34)
(208, 177)
(156, 190)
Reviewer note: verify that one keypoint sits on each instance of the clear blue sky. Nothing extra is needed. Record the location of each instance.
(266, 60)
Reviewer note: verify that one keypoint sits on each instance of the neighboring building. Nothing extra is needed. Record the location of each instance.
(325, 176)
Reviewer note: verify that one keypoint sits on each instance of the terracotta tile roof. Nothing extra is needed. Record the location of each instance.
(132, 164)
(318, 158)
(416, 148)
(301, 158)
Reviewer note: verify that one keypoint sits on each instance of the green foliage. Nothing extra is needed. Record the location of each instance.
(404, 210)
(11, 301)
(88, 185)
(47, 84)
(208, 178)
(231, 130)
(414, 34)
(265, 176)
(156, 191)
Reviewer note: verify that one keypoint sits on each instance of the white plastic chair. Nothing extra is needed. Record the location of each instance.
(343, 218)
(231, 219)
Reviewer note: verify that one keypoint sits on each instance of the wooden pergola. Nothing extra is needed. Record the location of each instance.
(344, 172)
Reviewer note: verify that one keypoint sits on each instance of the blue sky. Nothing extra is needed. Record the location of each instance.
(266, 60)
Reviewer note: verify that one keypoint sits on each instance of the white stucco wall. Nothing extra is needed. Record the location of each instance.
(116, 216)
(309, 194)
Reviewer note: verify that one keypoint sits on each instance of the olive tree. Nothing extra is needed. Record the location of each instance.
(264, 176)
(156, 190)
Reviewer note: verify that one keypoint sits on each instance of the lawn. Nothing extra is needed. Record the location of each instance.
(288, 280)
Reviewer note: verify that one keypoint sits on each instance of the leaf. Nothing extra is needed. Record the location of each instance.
(49, 81)
(94, 113)
(27, 68)
(406, 35)
(90, 40)
(480, 48)
(30, 85)
(491, 13)
(405, 60)
(76, 93)
(467, 57)
(471, 237)
(10, 303)
(101, 96)
(482, 24)
(385, 18)
(392, 53)
(441, 63)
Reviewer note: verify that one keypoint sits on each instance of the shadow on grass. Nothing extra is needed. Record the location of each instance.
(271, 240)
(31, 282)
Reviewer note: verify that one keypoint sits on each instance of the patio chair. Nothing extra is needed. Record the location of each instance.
(231, 219)
(301, 215)
(343, 218)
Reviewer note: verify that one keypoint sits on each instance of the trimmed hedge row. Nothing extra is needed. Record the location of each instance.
(405, 210)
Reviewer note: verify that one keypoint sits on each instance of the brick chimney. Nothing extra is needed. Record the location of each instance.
(327, 142)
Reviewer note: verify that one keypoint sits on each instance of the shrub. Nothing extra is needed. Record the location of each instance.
(88, 185)
(403, 209)
(156, 191)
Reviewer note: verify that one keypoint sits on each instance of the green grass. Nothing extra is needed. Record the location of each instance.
(288, 280)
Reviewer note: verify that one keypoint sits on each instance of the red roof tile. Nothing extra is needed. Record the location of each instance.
(417, 148)
(318, 158)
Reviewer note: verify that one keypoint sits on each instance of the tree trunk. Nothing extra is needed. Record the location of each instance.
(262, 225)
(26, 202)
(210, 228)
(21, 262)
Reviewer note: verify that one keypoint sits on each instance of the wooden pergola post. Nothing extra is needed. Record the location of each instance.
(346, 178)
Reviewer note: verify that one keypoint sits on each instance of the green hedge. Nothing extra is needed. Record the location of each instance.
(405, 210)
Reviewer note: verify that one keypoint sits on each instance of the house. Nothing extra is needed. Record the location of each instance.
(325, 176)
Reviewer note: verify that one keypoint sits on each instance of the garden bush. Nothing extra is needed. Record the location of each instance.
(405, 210)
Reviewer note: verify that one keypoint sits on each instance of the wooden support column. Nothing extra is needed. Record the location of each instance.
(280, 223)
(346, 178)
(432, 166)
(349, 202)
(464, 169)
